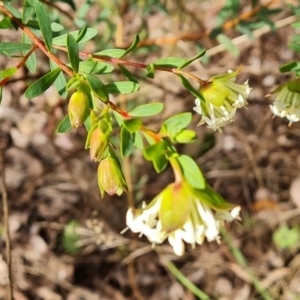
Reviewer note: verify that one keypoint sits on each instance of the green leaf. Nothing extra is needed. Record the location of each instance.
(31, 60)
(87, 124)
(291, 66)
(118, 118)
(132, 46)
(62, 39)
(127, 140)
(122, 87)
(190, 88)
(94, 67)
(186, 136)
(227, 43)
(56, 27)
(113, 53)
(156, 154)
(146, 110)
(8, 72)
(286, 238)
(42, 84)
(177, 123)
(127, 74)
(176, 206)
(73, 83)
(151, 71)
(132, 125)
(138, 141)
(60, 82)
(191, 172)
(28, 10)
(70, 2)
(73, 52)
(6, 23)
(44, 22)
(81, 34)
(212, 198)
(70, 237)
(98, 87)
(192, 59)
(11, 48)
(64, 125)
(170, 62)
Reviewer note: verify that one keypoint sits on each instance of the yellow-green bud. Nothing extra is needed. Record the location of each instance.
(215, 93)
(78, 108)
(98, 144)
(110, 177)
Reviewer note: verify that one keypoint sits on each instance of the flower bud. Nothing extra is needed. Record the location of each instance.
(215, 93)
(78, 108)
(98, 144)
(110, 177)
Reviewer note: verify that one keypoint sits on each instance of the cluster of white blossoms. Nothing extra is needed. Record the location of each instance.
(287, 101)
(202, 222)
(222, 98)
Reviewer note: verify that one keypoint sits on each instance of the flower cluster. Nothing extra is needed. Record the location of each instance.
(222, 98)
(287, 101)
(195, 218)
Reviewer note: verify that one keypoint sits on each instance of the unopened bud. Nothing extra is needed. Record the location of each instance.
(78, 108)
(110, 177)
(215, 93)
(98, 144)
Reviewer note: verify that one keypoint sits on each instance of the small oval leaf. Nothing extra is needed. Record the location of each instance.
(44, 22)
(147, 110)
(122, 87)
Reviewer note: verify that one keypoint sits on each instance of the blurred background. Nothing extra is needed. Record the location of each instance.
(66, 241)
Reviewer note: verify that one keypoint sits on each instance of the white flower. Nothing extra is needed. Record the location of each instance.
(222, 98)
(287, 101)
(202, 222)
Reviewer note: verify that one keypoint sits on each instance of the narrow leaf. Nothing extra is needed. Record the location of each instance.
(28, 10)
(62, 39)
(227, 43)
(31, 60)
(170, 62)
(64, 125)
(98, 87)
(60, 82)
(147, 110)
(132, 46)
(45, 24)
(95, 67)
(122, 87)
(81, 34)
(190, 88)
(1, 94)
(191, 172)
(56, 27)
(42, 84)
(127, 74)
(151, 71)
(8, 72)
(127, 140)
(113, 53)
(138, 141)
(192, 59)
(73, 52)
(132, 125)
(11, 48)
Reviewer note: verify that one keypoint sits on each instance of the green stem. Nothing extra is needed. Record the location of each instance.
(176, 169)
(186, 282)
(238, 255)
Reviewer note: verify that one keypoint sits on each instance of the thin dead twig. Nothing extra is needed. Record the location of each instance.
(6, 225)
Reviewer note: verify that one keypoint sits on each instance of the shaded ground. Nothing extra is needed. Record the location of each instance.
(51, 182)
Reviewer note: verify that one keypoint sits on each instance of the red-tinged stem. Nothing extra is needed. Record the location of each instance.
(134, 64)
(36, 40)
(156, 137)
(20, 64)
